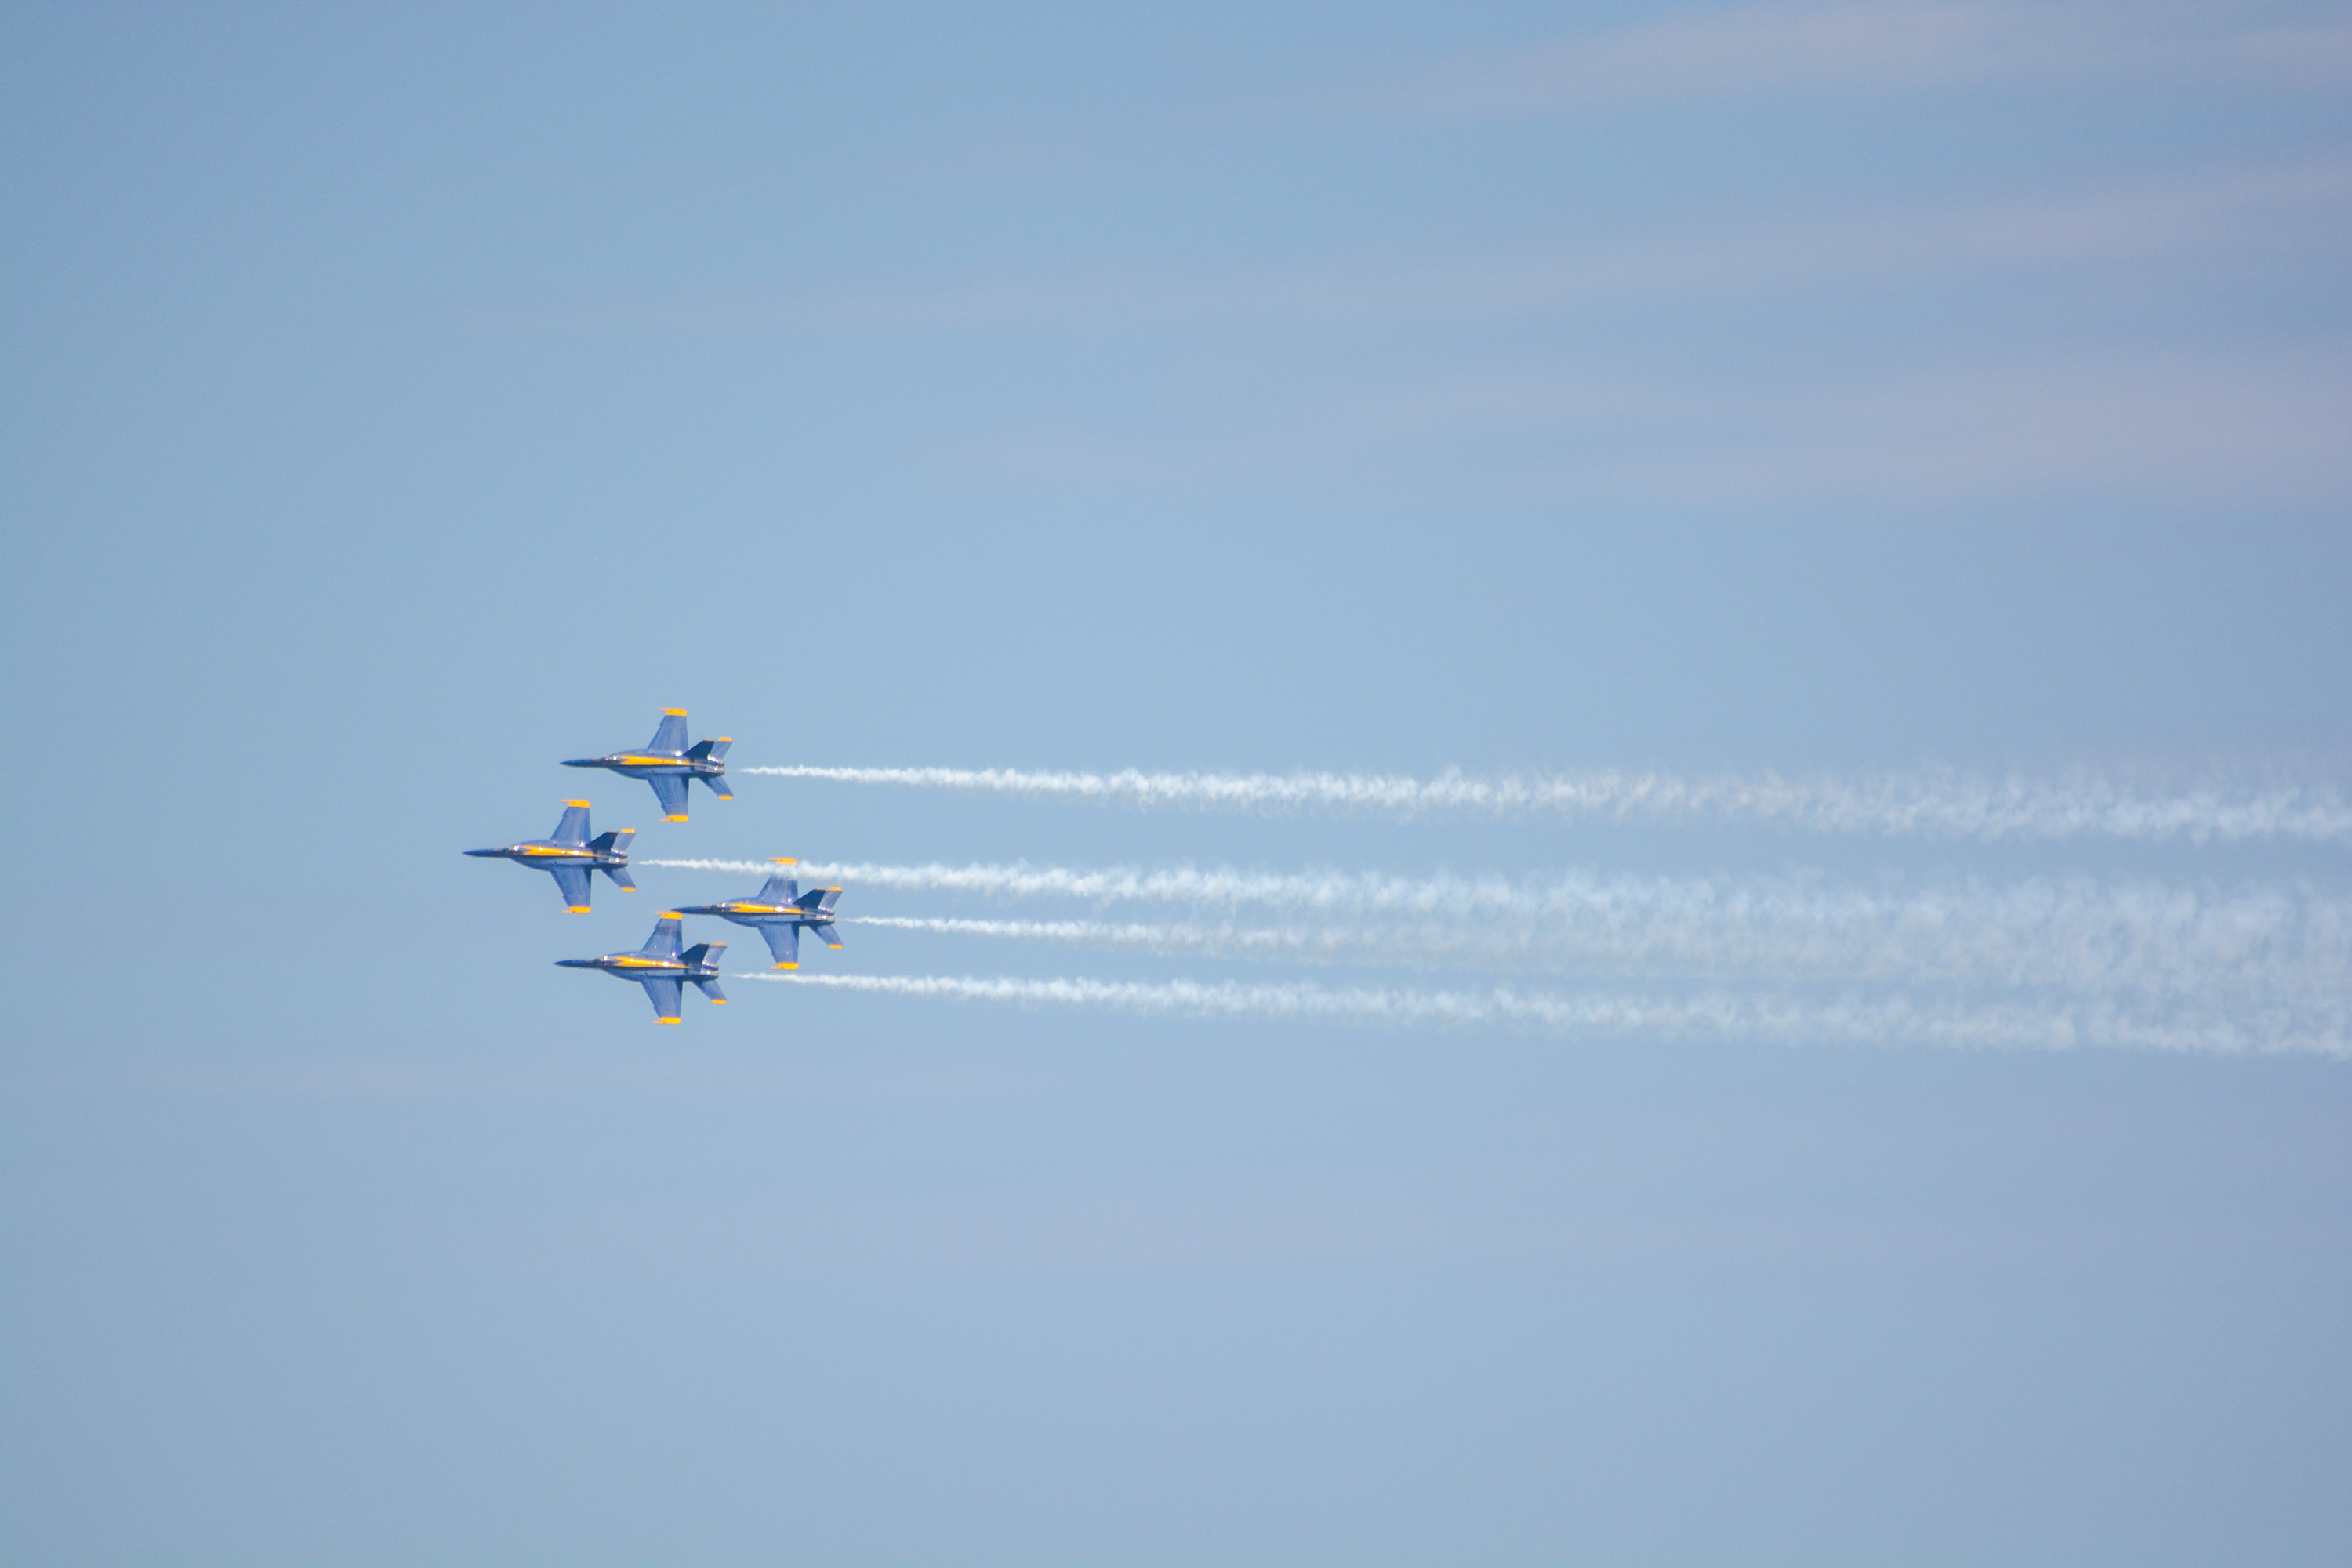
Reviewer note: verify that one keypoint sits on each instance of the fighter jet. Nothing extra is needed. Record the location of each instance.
(571, 855)
(661, 968)
(670, 764)
(777, 912)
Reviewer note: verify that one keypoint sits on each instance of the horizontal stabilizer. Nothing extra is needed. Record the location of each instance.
(718, 787)
(826, 934)
(620, 878)
(711, 989)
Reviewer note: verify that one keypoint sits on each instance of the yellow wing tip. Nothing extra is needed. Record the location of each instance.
(783, 859)
(729, 738)
(673, 819)
(579, 908)
(669, 915)
(667, 1020)
(675, 713)
(575, 803)
(788, 966)
(719, 1001)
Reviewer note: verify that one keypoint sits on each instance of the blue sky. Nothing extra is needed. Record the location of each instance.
(401, 400)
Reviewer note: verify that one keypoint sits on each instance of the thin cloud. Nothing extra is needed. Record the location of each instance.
(2268, 211)
(2228, 426)
(1876, 48)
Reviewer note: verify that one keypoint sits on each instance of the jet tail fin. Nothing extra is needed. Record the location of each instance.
(614, 843)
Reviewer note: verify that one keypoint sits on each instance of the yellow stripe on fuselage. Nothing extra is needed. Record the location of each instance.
(553, 850)
(631, 961)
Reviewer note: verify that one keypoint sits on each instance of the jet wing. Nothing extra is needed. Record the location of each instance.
(571, 881)
(670, 790)
(826, 934)
(666, 993)
(784, 941)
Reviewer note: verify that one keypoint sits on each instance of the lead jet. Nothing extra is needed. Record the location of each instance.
(571, 855)
(670, 764)
(777, 912)
(661, 968)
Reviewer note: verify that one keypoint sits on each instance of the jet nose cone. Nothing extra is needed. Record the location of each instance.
(575, 964)
(485, 851)
(584, 763)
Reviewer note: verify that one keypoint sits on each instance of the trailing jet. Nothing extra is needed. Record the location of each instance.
(670, 764)
(661, 968)
(571, 855)
(777, 912)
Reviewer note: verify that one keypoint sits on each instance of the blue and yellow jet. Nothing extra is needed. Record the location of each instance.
(571, 855)
(670, 764)
(661, 968)
(777, 912)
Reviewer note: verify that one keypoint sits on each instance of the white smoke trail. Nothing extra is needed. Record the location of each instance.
(2320, 1031)
(2041, 931)
(1927, 803)
(1212, 941)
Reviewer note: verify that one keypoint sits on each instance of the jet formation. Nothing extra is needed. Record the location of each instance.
(779, 911)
